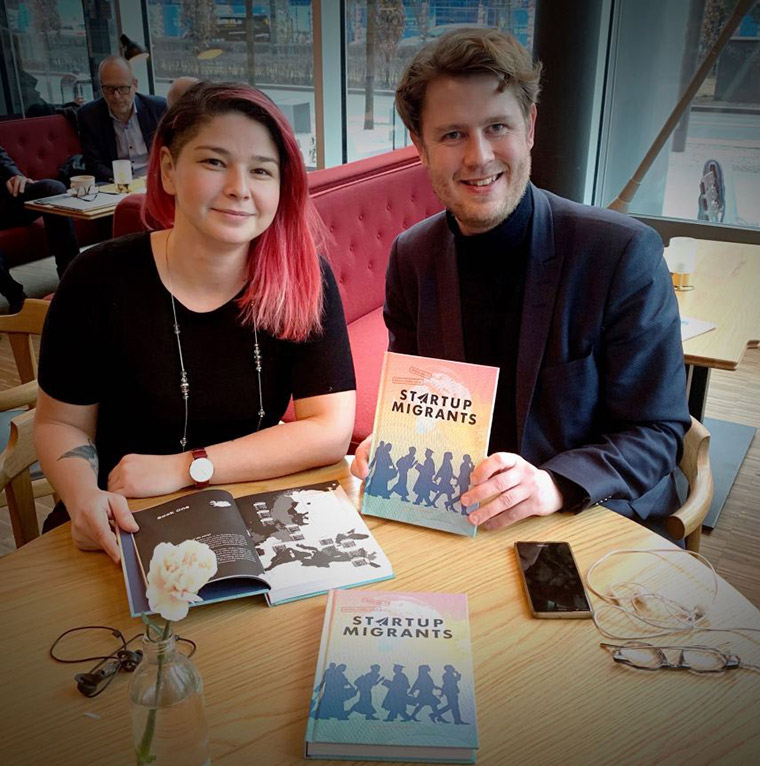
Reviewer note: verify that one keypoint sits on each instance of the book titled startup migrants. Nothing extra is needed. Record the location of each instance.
(394, 679)
(432, 425)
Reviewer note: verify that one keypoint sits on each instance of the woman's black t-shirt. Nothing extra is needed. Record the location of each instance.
(109, 340)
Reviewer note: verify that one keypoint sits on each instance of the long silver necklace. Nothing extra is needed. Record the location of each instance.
(184, 383)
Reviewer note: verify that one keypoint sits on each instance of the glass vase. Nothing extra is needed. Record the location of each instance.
(166, 705)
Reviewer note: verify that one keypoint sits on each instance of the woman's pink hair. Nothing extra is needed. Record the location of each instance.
(284, 291)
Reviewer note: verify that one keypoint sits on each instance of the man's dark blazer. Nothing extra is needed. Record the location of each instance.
(600, 385)
(97, 135)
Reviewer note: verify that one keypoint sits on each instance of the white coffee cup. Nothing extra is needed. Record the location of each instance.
(122, 172)
(82, 184)
(680, 257)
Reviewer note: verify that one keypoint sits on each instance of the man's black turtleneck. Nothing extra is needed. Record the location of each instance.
(492, 268)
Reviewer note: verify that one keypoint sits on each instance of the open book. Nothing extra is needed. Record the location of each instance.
(288, 544)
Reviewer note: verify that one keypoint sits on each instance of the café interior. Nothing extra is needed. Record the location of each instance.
(649, 109)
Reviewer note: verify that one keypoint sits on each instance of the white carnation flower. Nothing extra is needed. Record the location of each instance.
(177, 573)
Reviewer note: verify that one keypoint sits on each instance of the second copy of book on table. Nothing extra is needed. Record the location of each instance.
(394, 679)
(288, 544)
(432, 425)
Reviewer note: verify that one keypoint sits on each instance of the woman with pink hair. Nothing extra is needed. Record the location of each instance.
(169, 356)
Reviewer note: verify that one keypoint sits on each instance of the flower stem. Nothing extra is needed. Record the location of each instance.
(143, 751)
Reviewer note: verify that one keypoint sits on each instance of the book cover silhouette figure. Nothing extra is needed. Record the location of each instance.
(384, 471)
(364, 685)
(403, 465)
(424, 484)
(397, 698)
(424, 687)
(463, 477)
(335, 690)
(445, 479)
(450, 690)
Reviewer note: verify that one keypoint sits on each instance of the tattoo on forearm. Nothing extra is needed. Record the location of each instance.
(86, 452)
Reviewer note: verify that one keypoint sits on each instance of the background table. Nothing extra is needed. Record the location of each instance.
(546, 692)
(726, 283)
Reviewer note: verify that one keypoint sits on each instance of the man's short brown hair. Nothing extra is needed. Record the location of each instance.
(465, 52)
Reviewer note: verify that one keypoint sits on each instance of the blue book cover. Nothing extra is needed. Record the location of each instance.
(432, 425)
(288, 544)
(394, 679)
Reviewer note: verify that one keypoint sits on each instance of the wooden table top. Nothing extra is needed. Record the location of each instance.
(546, 692)
(726, 283)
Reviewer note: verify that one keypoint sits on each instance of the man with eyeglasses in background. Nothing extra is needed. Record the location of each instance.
(119, 125)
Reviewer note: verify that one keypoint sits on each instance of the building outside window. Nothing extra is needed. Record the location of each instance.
(267, 44)
(709, 170)
(50, 51)
(382, 36)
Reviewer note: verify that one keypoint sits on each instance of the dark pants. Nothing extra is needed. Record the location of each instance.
(62, 239)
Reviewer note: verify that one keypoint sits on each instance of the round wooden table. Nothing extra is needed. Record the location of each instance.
(546, 692)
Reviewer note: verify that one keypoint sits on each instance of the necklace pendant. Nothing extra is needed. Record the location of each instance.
(183, 442)
(184, 385)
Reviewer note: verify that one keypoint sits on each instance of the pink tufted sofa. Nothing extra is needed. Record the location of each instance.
(364, 205)
(39, 146)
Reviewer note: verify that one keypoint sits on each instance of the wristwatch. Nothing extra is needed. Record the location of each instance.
(201, 469)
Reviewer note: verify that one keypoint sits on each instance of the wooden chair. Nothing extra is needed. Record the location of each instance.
(15, 479)
(19, 328)
(686, 522)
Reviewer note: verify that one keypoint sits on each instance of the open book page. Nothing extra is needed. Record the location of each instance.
(310, 539)
(209, 517)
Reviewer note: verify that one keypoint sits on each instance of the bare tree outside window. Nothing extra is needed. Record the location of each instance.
(47, 21)
(199, 22)
(390, 27)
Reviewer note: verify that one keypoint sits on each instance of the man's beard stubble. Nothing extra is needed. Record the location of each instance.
(467, 216)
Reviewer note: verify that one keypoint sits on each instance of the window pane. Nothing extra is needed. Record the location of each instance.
(267, 44)
(45, 52)
(709, 169)
(382, 36)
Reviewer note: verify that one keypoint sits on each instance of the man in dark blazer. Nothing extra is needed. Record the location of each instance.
(120, 124)
(573, 303)
(15, 189)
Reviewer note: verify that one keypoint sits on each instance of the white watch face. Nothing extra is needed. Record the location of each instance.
(201, 469)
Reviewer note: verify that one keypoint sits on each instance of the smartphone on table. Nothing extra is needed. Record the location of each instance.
(552, 581)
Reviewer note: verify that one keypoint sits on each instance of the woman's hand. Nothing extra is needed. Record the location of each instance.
(148, 475)
(90, 521)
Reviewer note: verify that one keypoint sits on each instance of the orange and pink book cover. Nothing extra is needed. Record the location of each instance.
(432, 425)
(394, 679)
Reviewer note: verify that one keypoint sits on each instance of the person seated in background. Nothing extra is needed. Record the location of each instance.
(16, 189)
(573, 303)
(187, 342)
(178, 88)
(120, 124)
